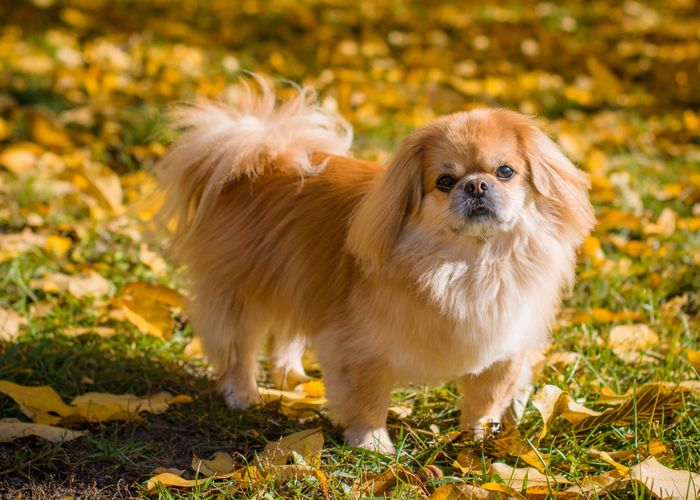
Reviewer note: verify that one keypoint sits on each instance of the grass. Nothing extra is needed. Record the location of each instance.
(653, 142)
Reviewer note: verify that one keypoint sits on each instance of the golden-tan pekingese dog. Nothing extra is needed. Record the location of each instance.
(448, 263)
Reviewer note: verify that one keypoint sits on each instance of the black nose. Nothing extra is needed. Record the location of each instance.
(477, 188)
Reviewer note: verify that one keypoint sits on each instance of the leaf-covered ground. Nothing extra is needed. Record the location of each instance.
(87, 305)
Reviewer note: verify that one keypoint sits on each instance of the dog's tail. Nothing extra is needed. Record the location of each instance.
(224, 143)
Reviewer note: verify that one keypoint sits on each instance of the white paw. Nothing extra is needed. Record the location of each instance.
(239, 398)
(371, 439)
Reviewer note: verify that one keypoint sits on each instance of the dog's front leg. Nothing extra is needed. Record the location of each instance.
(486, 396)
(359, 397)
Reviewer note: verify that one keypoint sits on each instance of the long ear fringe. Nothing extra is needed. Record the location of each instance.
(222, 143)
(562, 186)
(377, 221)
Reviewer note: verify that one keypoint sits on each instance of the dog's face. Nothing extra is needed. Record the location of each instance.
(475, 179)
(473, 175)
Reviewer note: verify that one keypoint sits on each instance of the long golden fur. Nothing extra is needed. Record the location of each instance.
(437, 266)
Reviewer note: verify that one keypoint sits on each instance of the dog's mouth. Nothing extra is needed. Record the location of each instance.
(478, 210)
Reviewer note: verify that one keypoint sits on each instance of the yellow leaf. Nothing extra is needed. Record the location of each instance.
(597, 486)
(655, 447)
(314, 389)
(20, 158)
(617, 219)
(245, 476)
(58, 245)
(592, 250)
(141, 290)
(105, 185)
(629, 341)
(502, 488)
(307, 443)
(665, 483)
(694, 359)
(471, 463)
(47, 131)
(11, 428)
(146, 306)
(664, 226)
(81, 285)
(605, 82)
(400, 412)
(222, 463)
(463, 491)
(516, 478)
(373, 484)
(42, 403)
(552, 402)
(10, 322)
(152, 260)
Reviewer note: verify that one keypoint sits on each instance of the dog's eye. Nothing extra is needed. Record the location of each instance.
(505, 172)
(445, 183)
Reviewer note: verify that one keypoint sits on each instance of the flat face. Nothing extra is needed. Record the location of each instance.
(475, 174)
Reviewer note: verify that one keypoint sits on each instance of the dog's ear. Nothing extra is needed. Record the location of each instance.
(561, 187)
(377, 221)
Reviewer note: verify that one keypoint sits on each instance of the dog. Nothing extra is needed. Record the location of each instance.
(448, 263)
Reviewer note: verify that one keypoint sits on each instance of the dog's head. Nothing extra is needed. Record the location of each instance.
(473, 174)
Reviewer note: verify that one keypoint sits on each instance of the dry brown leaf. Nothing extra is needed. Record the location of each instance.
(400, 412)
(384, 483)
(222, 463)
(470, 463)
(516, 478)
(509, 442)
(502, 488)
(11, 428)
(463, 491)
(10, 323)
(597, 486)
(665, 483)
(556, 359)
(552, 402)
(655, 447)
(308, 444)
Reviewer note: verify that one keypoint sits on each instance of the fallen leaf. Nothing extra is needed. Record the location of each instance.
(308, 444)
(693, 359)
(468, 462)
(593, 251)
(244, 476)
(10, 323)
(599, 315)
(152, 260)
(81, 285)
(665, 483)
(105, 185)
(552, 402)
(509, 442)
(654, 447)
(43, 405)
(597, 486)
(664, 226)
(222, 463)
(516, 478)
(147, 306)
(652, 402)
(502, 488)
(314, 389)
(21, 157)
(556, 359)
(400, 412)
(384, 483)
(11, 428)
(629, 342)
(103, 331)
(463, 491)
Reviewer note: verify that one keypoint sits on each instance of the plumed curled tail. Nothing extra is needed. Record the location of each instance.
(224, 142)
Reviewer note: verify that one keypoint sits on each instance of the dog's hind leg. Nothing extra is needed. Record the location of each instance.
(232, 346)
(285, 356)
